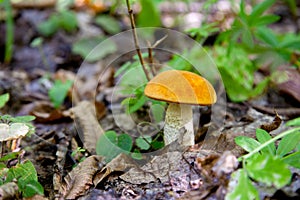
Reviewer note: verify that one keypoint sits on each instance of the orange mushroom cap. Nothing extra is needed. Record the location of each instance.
(181, 87)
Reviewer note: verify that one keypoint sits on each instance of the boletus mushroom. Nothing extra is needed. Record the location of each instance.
(182, 90)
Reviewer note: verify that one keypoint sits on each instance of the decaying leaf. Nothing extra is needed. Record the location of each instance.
(80, 179)
(12, 131)
(9, 190)
(87, 124)
(45, 112)
(273, 125)
(161, 167)
(122, 163)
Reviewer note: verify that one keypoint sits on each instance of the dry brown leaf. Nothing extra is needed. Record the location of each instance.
(80, 179)
(87, 125)
(159, 167)
(121, 163)
(45, 112)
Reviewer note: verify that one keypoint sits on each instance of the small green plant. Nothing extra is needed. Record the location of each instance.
(265, 162)
(63, 18)
(59, 91)
(110, 144)
(23, 173)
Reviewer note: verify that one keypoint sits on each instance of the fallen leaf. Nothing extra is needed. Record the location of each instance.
(87, 125)
(80, 179)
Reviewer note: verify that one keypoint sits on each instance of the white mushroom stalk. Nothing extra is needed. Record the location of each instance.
(179, 124)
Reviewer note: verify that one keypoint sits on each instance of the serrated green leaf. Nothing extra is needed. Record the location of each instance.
(143, 142)
(240, 187)
(26, 177)
(293, 159)
(4, 99)
(263, 136)
(269, 169)
(58, 92)
(247, 143)
(293, 122)
(288, 143)
(108, 23)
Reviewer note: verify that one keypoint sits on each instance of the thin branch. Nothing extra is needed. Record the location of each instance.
(135, 39)
(150, 57)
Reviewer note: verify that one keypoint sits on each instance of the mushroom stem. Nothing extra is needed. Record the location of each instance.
(179, 124)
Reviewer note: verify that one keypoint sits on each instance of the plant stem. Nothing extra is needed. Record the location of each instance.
(283, 134)
(135, 39)
(9, 38)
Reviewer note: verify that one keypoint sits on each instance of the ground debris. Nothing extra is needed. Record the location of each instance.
(80, 179)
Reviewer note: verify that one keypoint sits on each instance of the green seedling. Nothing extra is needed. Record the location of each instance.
(110, 145)
(265, 162)
(59, 91)
(24, 173)
(26, 177)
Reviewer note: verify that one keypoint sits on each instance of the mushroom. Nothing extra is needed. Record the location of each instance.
(182, 90)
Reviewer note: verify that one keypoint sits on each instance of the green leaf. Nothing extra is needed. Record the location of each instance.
(25, 118)
(143, 142)
(157, 144)
(157, 112)
(37, 42)
(59, 91)
(86, 48)
(260, 8)
(67, 20)
(267, 35)
(149, 15)
(9, 156)
(4, 99)
(266, 20)
(32, 188)
(288, 143)
(110, 145)
(49, 27)
(293, 122)
(108, 23)
(247, 143)
(240, 187)
(293, 159)
(24, 172)
(136, 154)
(268, 169)
(124, 142)
(263, 136)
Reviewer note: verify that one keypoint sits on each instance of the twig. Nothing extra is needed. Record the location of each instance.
(135, 39)
(150, 57)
